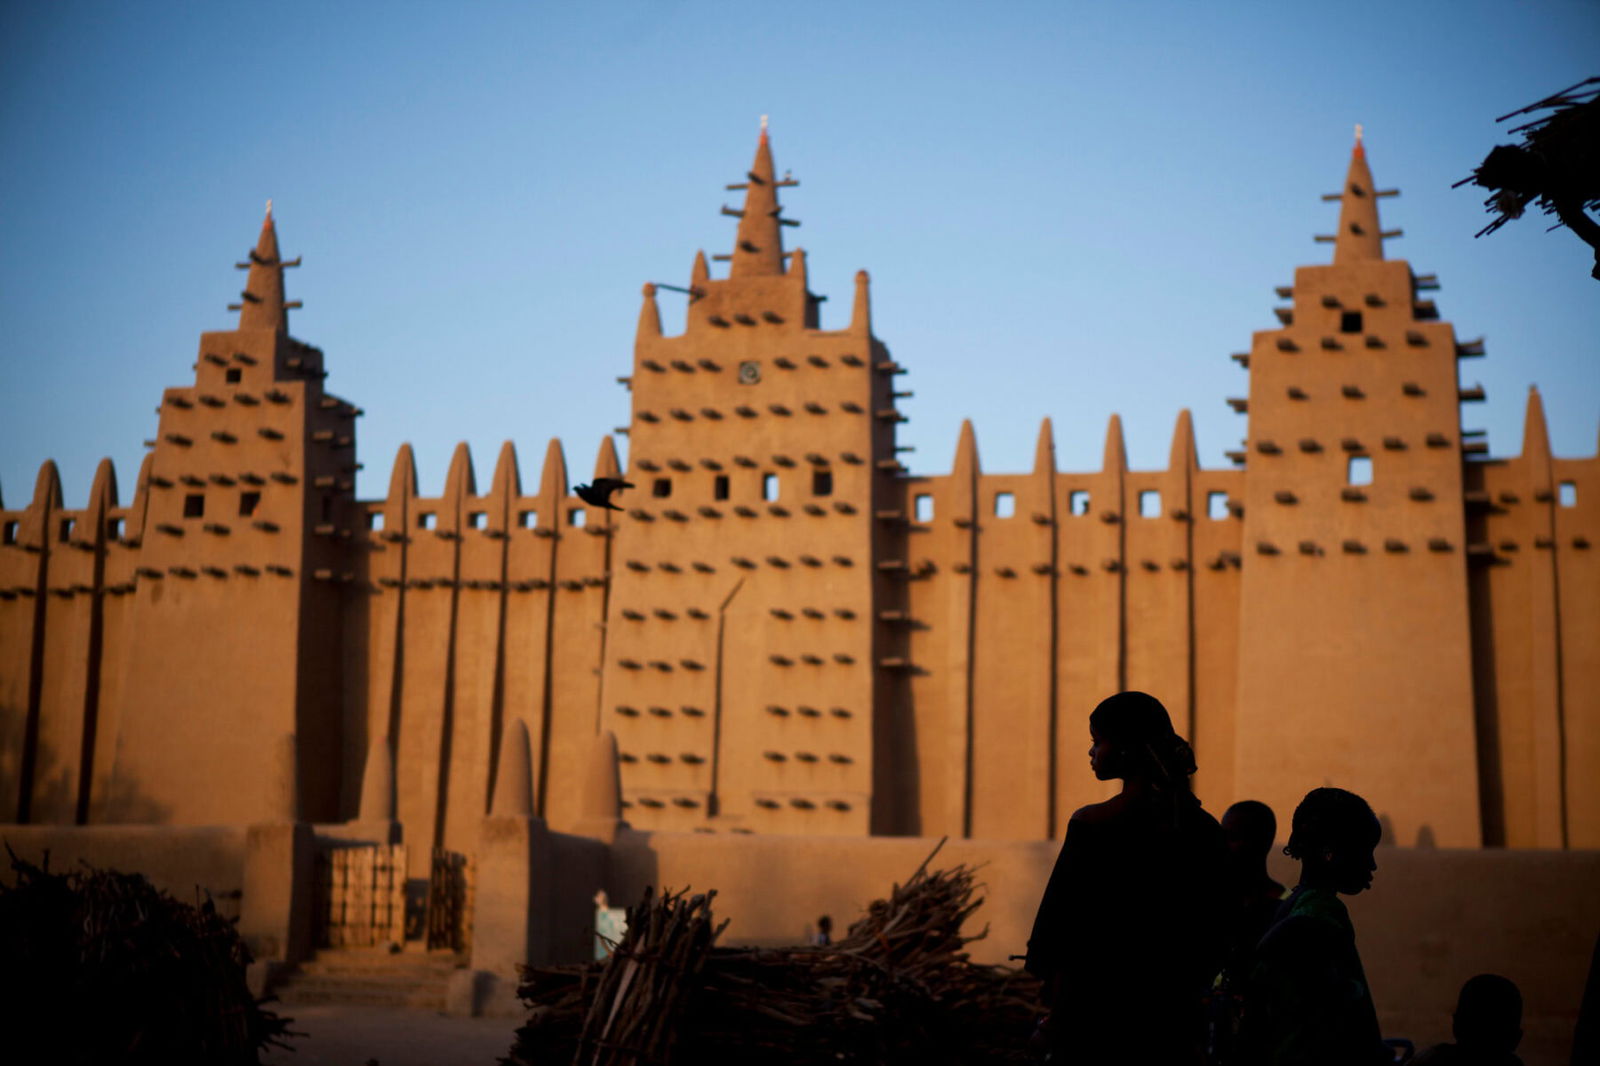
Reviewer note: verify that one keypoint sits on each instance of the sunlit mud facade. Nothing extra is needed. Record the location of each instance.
(783, 629)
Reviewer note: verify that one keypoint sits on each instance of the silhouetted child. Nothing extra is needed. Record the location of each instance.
(1126, 940)
(824, 934)
(1487, 1025)
(1307, 1000)
(1248, 830)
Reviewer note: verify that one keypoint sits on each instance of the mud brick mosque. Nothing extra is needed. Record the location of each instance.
(785, 631)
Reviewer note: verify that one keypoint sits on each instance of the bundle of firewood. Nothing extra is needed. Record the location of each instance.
(897, 988)
(103, 967)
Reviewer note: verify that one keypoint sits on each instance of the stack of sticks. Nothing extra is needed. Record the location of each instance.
(899, 987)
(101, 966)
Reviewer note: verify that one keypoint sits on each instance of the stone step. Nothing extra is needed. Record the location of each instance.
(341, 966)
(424, 998)
(427, 988)
(361, 962)
(400, 981)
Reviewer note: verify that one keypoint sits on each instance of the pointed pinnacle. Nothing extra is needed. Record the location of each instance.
(758, 246)
(1116, 455)
(1360, 237)
(263, 306)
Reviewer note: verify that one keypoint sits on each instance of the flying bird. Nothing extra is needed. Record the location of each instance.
(600, 492)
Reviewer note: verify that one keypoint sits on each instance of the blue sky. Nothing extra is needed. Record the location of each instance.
(1068, 209)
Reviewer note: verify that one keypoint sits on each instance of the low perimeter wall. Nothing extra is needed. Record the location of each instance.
(174, 858)
(1432, 919)
(260, 874)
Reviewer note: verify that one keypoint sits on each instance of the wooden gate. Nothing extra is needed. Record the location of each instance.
(450, 899)
(360, 895)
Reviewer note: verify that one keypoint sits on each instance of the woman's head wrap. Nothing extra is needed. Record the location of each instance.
(1138, 725)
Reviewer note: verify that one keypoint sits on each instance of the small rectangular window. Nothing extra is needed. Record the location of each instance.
(194, 505)
(1567, 493)
(1078, 502)
(426, 519)
(719, 487)
(1359, 470)
(662, 488)
(923, 507)
(66, 529)
(9, 532)
(1350, 322)
(1149, 504)
(822, 482)
(248, 502)
(375, 520)
(113, 529)
(769, 486)
(1005, 504)
(478, 519)
(234, 375)
(577, 517)
(528, 519)
(1216, 505)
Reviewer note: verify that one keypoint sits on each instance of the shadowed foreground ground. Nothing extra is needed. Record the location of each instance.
(350, 1036)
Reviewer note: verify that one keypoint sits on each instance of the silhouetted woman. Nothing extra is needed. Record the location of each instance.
(1127, 940)
(1307, 1002)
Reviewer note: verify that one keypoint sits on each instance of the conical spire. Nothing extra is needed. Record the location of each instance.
(459, 480)
(513, 785)
(102, 498)
(1116, 453)
(1182, 454)
(966, 461)
(649, 314)
(47, 487)
(759, 247)
(861, 311)
(1044, 450)
(605, 460)
(553, 475)
(403, 476)
(263, 305)
(1535, 435)
(1359, 235)
(507, 483)
(600, 813)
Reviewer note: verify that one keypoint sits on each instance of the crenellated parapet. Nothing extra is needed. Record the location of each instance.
(478, 609)
(1531, 531)
(1030, 593)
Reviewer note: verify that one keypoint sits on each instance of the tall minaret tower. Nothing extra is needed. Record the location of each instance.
(228, 697)
(748, 676)
(1355, 652)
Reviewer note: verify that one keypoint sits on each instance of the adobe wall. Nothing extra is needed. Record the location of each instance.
(1433, 919)
(1355, 650)
(1033, 597)
(1437, 917)
(1536, 643)
(174, 858)
(743, 677)
(473, 611)
(258, 875)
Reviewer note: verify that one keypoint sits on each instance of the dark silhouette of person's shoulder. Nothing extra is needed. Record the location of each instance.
(1307, 927)
(1107, 811)
(1201, 820)
(1456, 1055)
